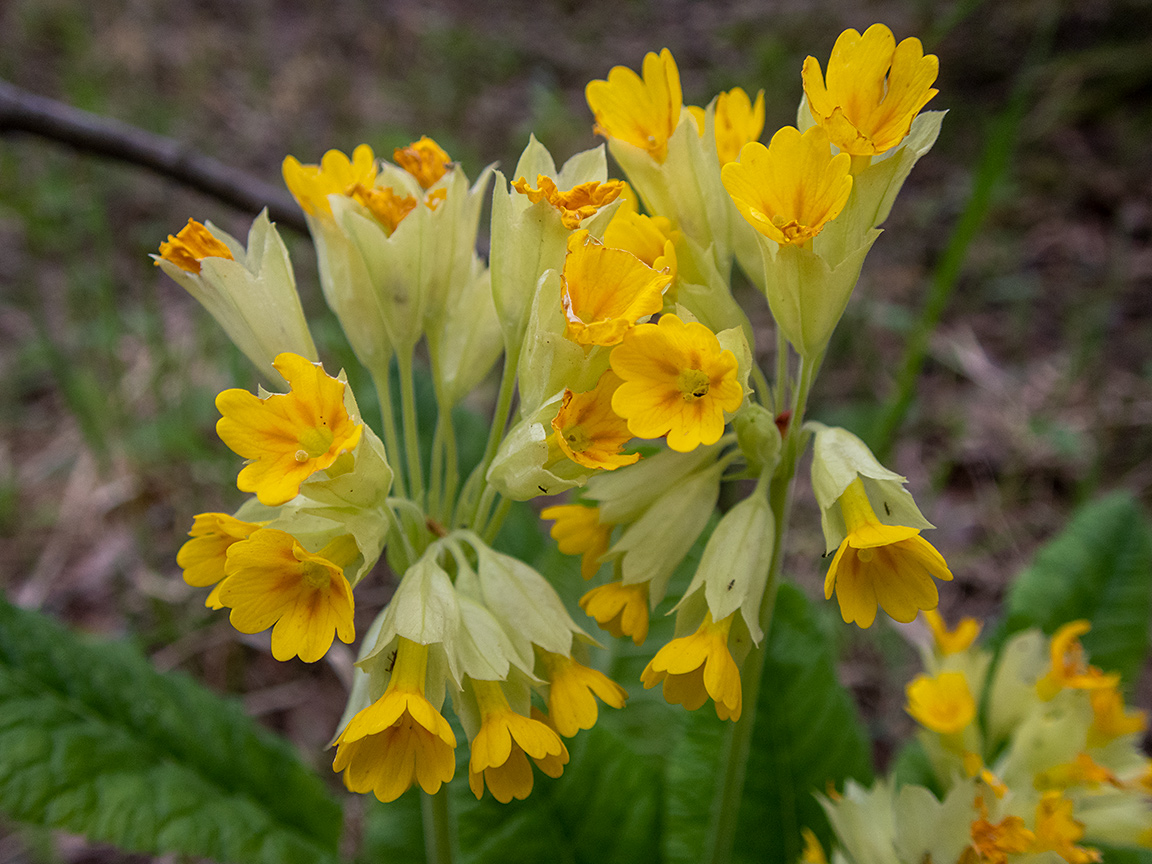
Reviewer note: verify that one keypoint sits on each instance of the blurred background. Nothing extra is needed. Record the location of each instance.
(1027, 233)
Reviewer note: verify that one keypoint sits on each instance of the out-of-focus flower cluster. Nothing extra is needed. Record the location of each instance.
(1036, 760)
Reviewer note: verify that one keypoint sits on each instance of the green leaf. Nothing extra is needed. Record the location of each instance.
(807, 733)
(1119, 855)
(1099, 568)
(95, 741)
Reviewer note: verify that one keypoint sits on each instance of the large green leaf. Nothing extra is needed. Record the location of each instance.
(1099, 568)
(807, 734)
(95, 741)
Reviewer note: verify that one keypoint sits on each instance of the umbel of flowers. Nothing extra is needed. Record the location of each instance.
(627, 376)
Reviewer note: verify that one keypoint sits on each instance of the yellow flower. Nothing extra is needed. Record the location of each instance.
(400, 739)
(951, 641)
(992, 843)
(203, 557)
(273, 580)
(943, 704)
(649, 238)
(1110, 720)
(588, 431)
(677, 382)
(1057, 831)
(1082, 771)
(620, 609)
(604, 292)
(791, 189)
(696, 667)
(578, 531)
(813, 852)
(887, 564)
(737, 120)
(335, 175)
(505, 742)
(192, 245)
(424, 159)
(287, 436)
(641, 112)
(1069, 668)
(575, 204)
(571, 703)
(385, 205)
(873, 91)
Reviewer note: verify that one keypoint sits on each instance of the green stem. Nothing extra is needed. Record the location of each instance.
(388, 420)
(763, 388)
(436, 480)
(411, 427)
(497, 521)
(466, 512)
(451, 467)
(781, 370)
(438, 839)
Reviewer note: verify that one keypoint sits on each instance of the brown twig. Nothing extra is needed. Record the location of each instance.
(21, 111)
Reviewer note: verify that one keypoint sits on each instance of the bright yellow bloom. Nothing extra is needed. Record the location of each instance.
(737, 120)
(505, 742)
(578, 531)
(202, 558)
(873, 91)
(1110, 720)
(588, 431)
(192, 245)
(951, 641)
(1069, 667)
(1057, 831)
(620, 609)
(887, 564)
(813, 852)
(571, 703)
(335, 175)
(576, 203)
(287, 436)
(698, 666)
(791, 189)
(273, 580)
(400, 739)
(1082, 771)
(677, 382)
(943, 704)
(649, 238)
(424, 159)
(641, 112)
(992, 843)
(604, 292)
(385, 205)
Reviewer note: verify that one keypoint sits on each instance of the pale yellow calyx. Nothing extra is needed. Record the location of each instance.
(192, 245)
(424, 159)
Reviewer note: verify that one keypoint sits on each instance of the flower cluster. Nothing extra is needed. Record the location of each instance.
(1049, 767)
(628, 374)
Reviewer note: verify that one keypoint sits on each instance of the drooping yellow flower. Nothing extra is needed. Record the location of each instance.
(620, 609)
(698, 666)
(505, 742)
(424, 159)
(873, 91)
(943, 704)
(335, 175)
(400, 739)
(287, 436)
(604, 292)
(951, 641)
(1057, 831)
(1069, 667)
(588, 431)
(993, 842)
(1110, 719)
(641, 112)
(385, 205)
(574, 204)
(677, 382)
(737, 120)
(791, 189)
(275, 582)
(203, 557)
(572, 692)
(887, 564)
(191, 245)
(578, 531)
